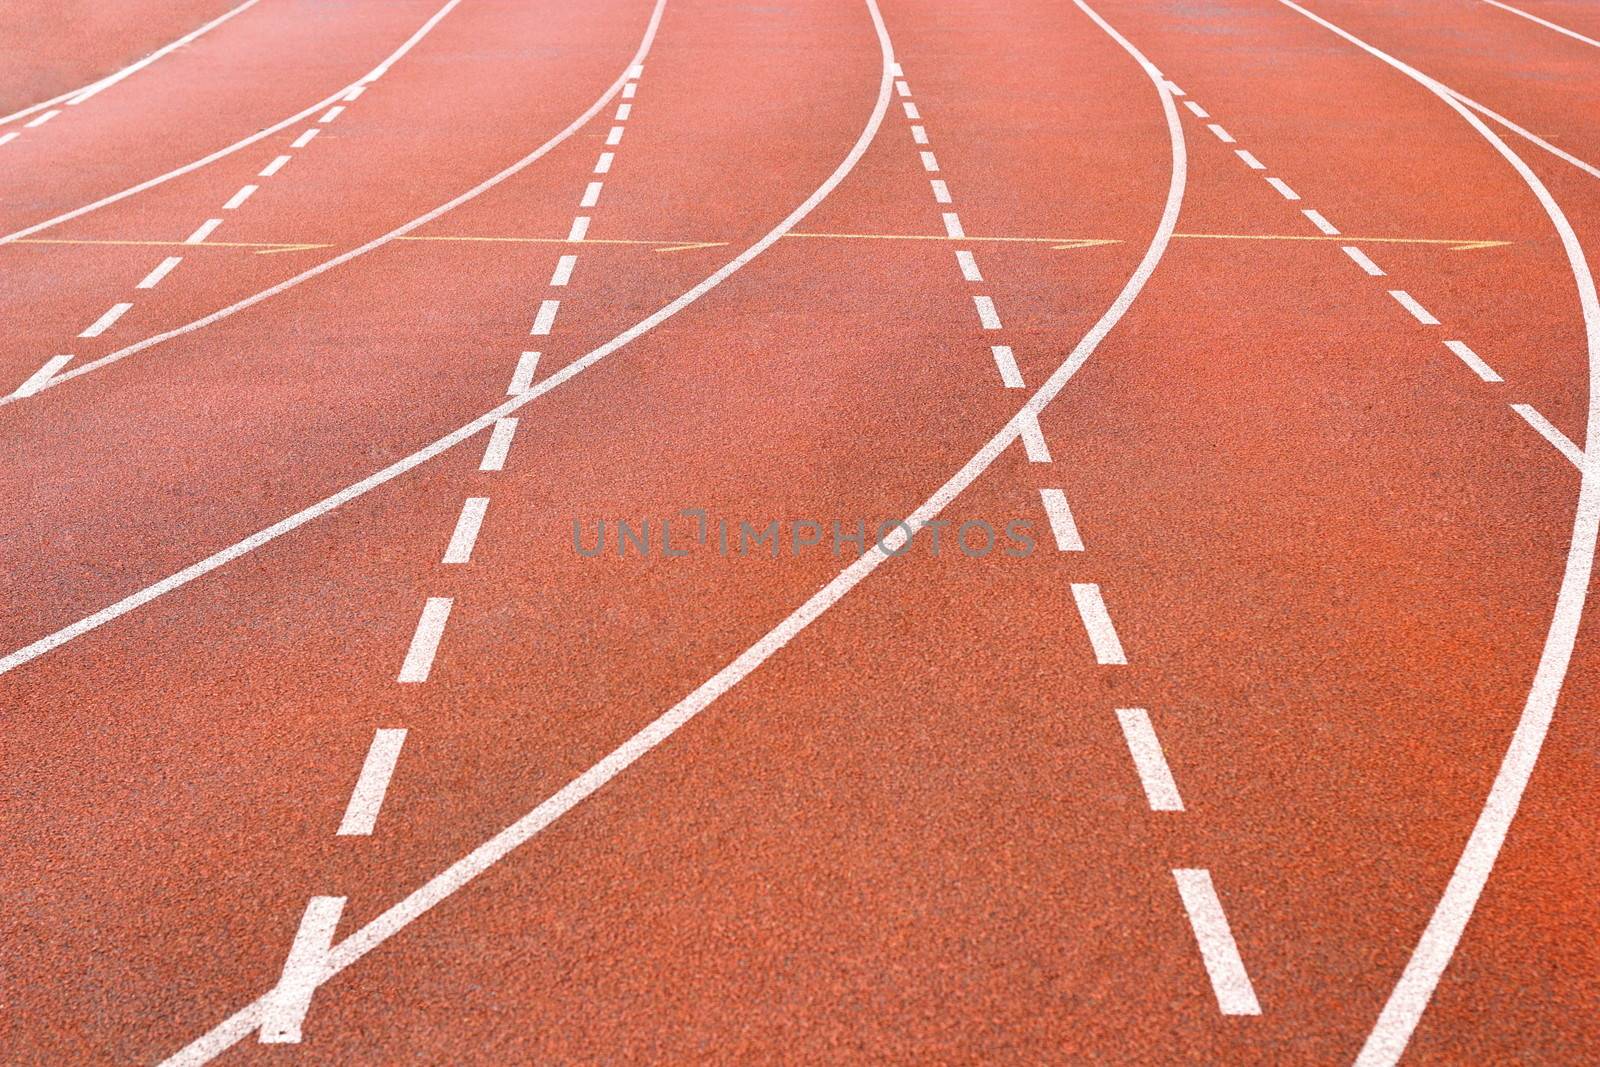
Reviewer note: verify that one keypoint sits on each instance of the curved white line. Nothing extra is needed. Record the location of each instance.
(242, 1022)
(1409, 999)
(1527, 135)
(73, 97)
(1546, 23)
(246, 142)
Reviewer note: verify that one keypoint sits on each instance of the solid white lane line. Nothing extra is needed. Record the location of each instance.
(366, 800)
(1548, 431)
(1006, 361)
(580, 228)
(1218, 950)
(1222, 135)
(1097, 622)
(305, 968)
(969, 266)
(563, 271)
(911, 111)
(162, 269)
(1283, 189)
(628, 90)
(1546, 23)
(105, 322)
(591, 194)
(1362, 261)
(522, 378)
(603, 164)
(930, 164)
(465, 535)
(274, 167)
(919, 135)
(941, 191)
(36, 380)
(1062, 525)
(494, 454)
(952, 225)
(331, 114)
(615, 136)
(1249, 160)
(425, 641)
(986, 312)
(305, 138)
(1418, 312)
(240, 197)
(41, 120)
(1199, 112)
(1148, 759)
(546, 317)
(1033, 442)
(1319, 222)
(1473, 360)
(354, 93)
(902, 88)
(204, 230)
(1526, 134)
(623, 111)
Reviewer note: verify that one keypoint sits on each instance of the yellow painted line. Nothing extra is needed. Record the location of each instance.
(1456, 244)
(263, 248)
(1053, 242)
(660, 246)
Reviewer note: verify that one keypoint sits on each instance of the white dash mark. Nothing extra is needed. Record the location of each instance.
(902, 88)
(204, 230)
(546, 317)
(1473, 360)
(303, 970)
(41, 377)
(911, 111)
(1172, 87)
(355, 92)
(615, 136)
(1148, 760)
(628, 91)
(1249, 160)
(636, 71)
(42, 119)
(1062, 526)
(930, 164)
(522, 377)
(6, 138)
(425, 642)
(603, 164)
(274, 167)
(332, 113)
(1418, 312)
(240, 197)
(580, 228)
(919, 134)
(106, 321)
(894, 69)
(1033, 443)
(941, 191)
(563, 271)
(1222, 135)
(163, 269)
(1097, 621)
(305, 138)
(1548, 431)
(466, 532)
(986, 312)
(361, 813)
(1218, 951)
(1283, 188)
(1006, 360)
(1362, 261)
(623, 111)
(494, 454)
(969, 266)
(1319, 222)
(591, 194)
(952, 225)
(1199, 112)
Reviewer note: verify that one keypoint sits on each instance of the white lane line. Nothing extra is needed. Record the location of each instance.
(1097, 622)
(41, 120)
(1006, 361)
(1319, 222)
(463, 871)
(284, 1011)
(1172, 87)
(274, 167)
(952, 225)
(1249, 160)
(636, 71)
(305, 138)
(623, 111)
(919, 135)
(628, 90)
(911, 111)
(895, 69)
(331, 114)
(466, 532)
(580, 228)
(36, 380)
(1148, 759)
(1418, 312)
(494, 454)
(354, 93)
(522, 378)
(204, 230)
(1218, 950)
(591, 194)
(366, 800)
(1362, 260)
(546, 317)
(1407, 1002)
(1062, 526)
(1546, 23)
(1473, 360)
(6, 138)
(603, 164)
(930, 164)
(1199, 112)
(1526, 134)
(162, 269)
(106, 321)
(969, 266)
(425, 641)
(563, 271)
(1283, 188)
(902, 88)
(941, 191)
(1548, 431)
(1222, 135)
(615, 136)
(240, 197)
(986, 312)
(1033, 442)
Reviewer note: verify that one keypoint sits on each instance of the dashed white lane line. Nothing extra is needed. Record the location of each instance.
(204, 230)
(331, 114)
(465, 535)
(1218, 950)
(546, 318)
(240, 197)
(522, 377)
(355, 92)
(425, 641)
(1249, 160)
(1199, 112)
(284, 1012)
(636, 71)
(1097, 622)
(563, 272)
(305, 138)
(366, 800)
(1006, 361)
(1033, 442)
(1473, 360)
(36, 380)
(1362, 260)
(628, 91)
(6, 138)
(1062, 525)
(929, 163)
(1418, 312)
(1319, 221)
(580, 228)
(1148, 759)
(603, 164)
(1548, 431)
(615, 136)
(163, 269)
(1283, 188)
(902, 88)
(941, 191)
(919, 134)
(1222, 135)
(952, 225)
(591, 194)
(911, 111)
(1172, 87)
(987, 315)
(106, 321)
(623, 111)
(494, 454)
(274, 167)
(41, 119)
(969, 266)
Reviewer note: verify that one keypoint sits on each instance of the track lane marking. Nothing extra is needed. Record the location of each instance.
(1097, 624)
(162, 269)
(1222, 135)
(1033, 442)
(372, 785)
(968, 265)
(1160, 790)
(494, 454)
(1548, 431)
(988, 317)
(238, 199)
(1218, 950)
(1319, 221)
(1546, 23)
(418, 664)
(563, 272)
(465, 536)
(305, 138)
(1362, 261)
(1006, 361)
(1473, 360)
(272, 168)
(1249, 160)
(546, 319)
(1409, 302)
(204, 230)
(1062, 525)
(941, 191)
(36, 380)
(106, 321)
(1283, 188)
(305, 968)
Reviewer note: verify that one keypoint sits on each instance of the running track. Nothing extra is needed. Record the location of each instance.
(1272, 320)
